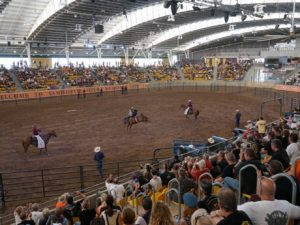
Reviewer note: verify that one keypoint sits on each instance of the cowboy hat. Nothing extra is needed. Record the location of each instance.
(97, 149)
(211, 140)
(191, 146)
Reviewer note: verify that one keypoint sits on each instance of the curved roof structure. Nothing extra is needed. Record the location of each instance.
(50, 26)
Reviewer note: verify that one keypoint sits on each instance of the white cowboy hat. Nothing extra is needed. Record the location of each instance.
(211, 140)
(97, 149)
(191, 146)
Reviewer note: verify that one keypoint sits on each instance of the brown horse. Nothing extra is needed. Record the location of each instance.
(31, 140)
(195, 112)
(138, 119)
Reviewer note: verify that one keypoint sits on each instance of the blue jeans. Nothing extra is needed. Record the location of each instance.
(100, 168)
(231, 183)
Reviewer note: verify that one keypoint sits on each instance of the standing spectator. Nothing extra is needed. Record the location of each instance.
(228, 213)
(99, 156)
(161, 215)
(46, 214)
(237, 118)
(269, 210)
(36, 215)
(166, 176)
(17, 214)
(87, 214)
(144, 219)
(58, 217)
(111, 214)
(117, 190)
(156, 181)
(128, 216)
(261, 125)
(25, 219)
(292, 149)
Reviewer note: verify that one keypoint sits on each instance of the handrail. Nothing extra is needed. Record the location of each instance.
(291, 180)
(240, 179)
(178, 196)
(199, 180)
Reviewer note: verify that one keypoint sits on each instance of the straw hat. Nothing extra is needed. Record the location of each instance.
(97, 149)
(211, 140)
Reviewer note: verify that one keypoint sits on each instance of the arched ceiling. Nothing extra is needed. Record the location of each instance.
(50, 24)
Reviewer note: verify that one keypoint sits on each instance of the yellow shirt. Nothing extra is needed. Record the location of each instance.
(261, 125)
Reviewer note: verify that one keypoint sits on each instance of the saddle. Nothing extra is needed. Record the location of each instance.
(34, 141)
(190, 111)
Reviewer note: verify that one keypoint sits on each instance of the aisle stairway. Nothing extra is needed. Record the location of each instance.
(180, 72)
(17, 82)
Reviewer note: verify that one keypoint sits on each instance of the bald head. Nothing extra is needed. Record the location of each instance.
(267, 189)
(227, 199)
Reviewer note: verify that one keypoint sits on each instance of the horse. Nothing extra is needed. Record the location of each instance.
(138, 119)
(31, 140)
(195, 112)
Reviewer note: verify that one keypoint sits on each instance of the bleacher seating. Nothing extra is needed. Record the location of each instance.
(6, 82)
(294, 80)
(77, 76)
(32, 79)
(231, 71)
(163, 73)
(197, 71)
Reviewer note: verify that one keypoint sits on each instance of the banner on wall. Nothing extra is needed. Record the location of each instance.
(66, 92)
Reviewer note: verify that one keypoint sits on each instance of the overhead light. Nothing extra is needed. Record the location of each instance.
(35, 52)
(226, 16)
(15, 51)
(231, 27)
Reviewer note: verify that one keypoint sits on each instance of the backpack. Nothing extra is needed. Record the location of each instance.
(110, 220)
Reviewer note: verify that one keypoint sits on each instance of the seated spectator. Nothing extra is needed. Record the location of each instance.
(190, 206)
(166, 176)
(36, 215)
(58, 217)
(279, 154)
(87, 214)
(285, 138)
(174, 161)
(156, 181)
(209, 202)
(44, 219)
(25, 218)
(185, 183)
(201, 217)
(207, 161)
(269, 210)
(196, 172)
(144, 218)
(161, 215)
(292, 149)
(228, 212)
(17, 214)
(128, 216)
(247, 157)
(110, 212)
(228, 170)
(101, 204)
(221, 161)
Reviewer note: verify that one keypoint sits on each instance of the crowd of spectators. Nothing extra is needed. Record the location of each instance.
(294, 80)
(231, 71)
(6, 82)
(213, 190)
(37, 78)
(163, 73)
(197, 71)
(77, 76)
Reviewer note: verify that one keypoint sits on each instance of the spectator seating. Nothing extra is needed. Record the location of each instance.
(77, 77)
(231, 71)
(197, 72)
(163, 73)
(6, 82)
(31, 79)
(294, 80)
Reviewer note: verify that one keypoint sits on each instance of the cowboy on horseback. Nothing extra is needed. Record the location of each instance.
(132, 113)
(189, 109)
(37, 137)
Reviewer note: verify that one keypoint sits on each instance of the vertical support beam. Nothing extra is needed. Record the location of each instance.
(170, 57)
(99, 54)
(29, 55)
(187, 54)
(67, 51)
(126, 54)
(215, 72)
(135, 54)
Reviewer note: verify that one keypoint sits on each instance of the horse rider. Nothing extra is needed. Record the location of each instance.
(189, 109)
(132, 113)
(36, 133)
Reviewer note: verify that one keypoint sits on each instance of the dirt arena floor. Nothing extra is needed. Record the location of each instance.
(82, 124)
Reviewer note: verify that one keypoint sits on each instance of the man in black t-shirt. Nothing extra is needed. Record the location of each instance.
(166, 176)
(279, 154)
(228, 213)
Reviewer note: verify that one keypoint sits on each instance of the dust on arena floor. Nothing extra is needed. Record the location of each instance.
(82, 124)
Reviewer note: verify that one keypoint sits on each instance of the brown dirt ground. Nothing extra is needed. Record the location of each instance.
(99, 121)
